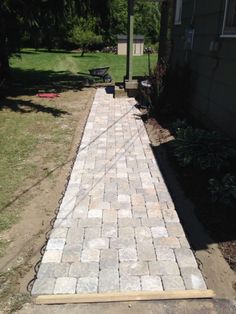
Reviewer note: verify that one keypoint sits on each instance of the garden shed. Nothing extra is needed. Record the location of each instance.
(138, 45)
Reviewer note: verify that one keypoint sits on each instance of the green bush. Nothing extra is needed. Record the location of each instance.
(223, 191)
(202, 149)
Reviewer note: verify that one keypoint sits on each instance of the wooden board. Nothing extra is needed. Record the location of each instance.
(124, 296)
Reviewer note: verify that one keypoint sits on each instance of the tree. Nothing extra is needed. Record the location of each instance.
(20, 17)
(84, 36)
(147, 20)
(118, 17)
(10, 24)
(47, 23)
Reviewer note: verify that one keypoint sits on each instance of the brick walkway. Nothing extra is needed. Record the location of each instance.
(117, 229)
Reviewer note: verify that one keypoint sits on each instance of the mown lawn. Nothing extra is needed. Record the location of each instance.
(45, 63)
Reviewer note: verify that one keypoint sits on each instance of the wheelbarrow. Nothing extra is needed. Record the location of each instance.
(101, 73)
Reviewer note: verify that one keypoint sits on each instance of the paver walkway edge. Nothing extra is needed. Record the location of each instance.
(117, 229)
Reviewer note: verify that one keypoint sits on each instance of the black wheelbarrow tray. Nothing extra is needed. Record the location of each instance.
(101, 73)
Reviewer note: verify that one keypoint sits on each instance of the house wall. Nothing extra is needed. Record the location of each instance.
(214, 73)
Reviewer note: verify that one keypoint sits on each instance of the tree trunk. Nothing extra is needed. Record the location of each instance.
(4, 63)
(4, 56)
(82, 52)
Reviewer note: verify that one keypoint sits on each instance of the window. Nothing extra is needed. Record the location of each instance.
(178, 11)
(229, 24)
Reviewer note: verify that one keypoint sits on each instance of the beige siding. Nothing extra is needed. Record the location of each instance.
(122, 49)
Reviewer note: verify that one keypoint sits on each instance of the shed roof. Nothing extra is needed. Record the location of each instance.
(124, 37)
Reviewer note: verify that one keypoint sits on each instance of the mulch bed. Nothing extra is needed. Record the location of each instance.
(218, 220)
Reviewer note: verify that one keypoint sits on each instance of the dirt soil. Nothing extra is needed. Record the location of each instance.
(40, 197)
(209, 254)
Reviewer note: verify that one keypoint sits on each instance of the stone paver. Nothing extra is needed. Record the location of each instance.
(173, 283)
(130, 283)
(109, 259)
(117, 228)
(52, 256)
(65, 285)
(151, 283)
(193, 278)
(108, 280)
(79, 269)
(134, 268)
(87, 285)
(43, 286)
(164, 268)
(53, 270)
(128, 254)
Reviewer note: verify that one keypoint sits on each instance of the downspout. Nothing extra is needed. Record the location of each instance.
(216, 47)
(191, 26)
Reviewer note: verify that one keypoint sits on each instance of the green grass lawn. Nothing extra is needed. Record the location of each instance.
(38, 64)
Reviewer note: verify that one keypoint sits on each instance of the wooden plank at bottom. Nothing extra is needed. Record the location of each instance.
(124, 296)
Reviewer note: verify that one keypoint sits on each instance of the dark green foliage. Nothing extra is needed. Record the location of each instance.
(172, 89)
(202, 149)
(177, 91)
(147, 20)
(177, 125)
(38, 21)
(224, 190)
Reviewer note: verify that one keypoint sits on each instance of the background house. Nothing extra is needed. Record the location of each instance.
(204, 35)
(138, 45)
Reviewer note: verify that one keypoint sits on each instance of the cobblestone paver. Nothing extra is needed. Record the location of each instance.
(117, 228)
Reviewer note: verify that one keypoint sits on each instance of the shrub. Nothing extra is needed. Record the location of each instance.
(83, 34)
(223, 191)
(177, 125)
(202, 149)
(172, 88)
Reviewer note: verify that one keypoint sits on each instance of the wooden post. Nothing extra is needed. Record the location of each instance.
(130, 38)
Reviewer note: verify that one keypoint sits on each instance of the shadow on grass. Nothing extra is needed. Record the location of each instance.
(30, 82)
(27, 106)
(55, 51)
(85, 56)
(34, 51)
(29, 52)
